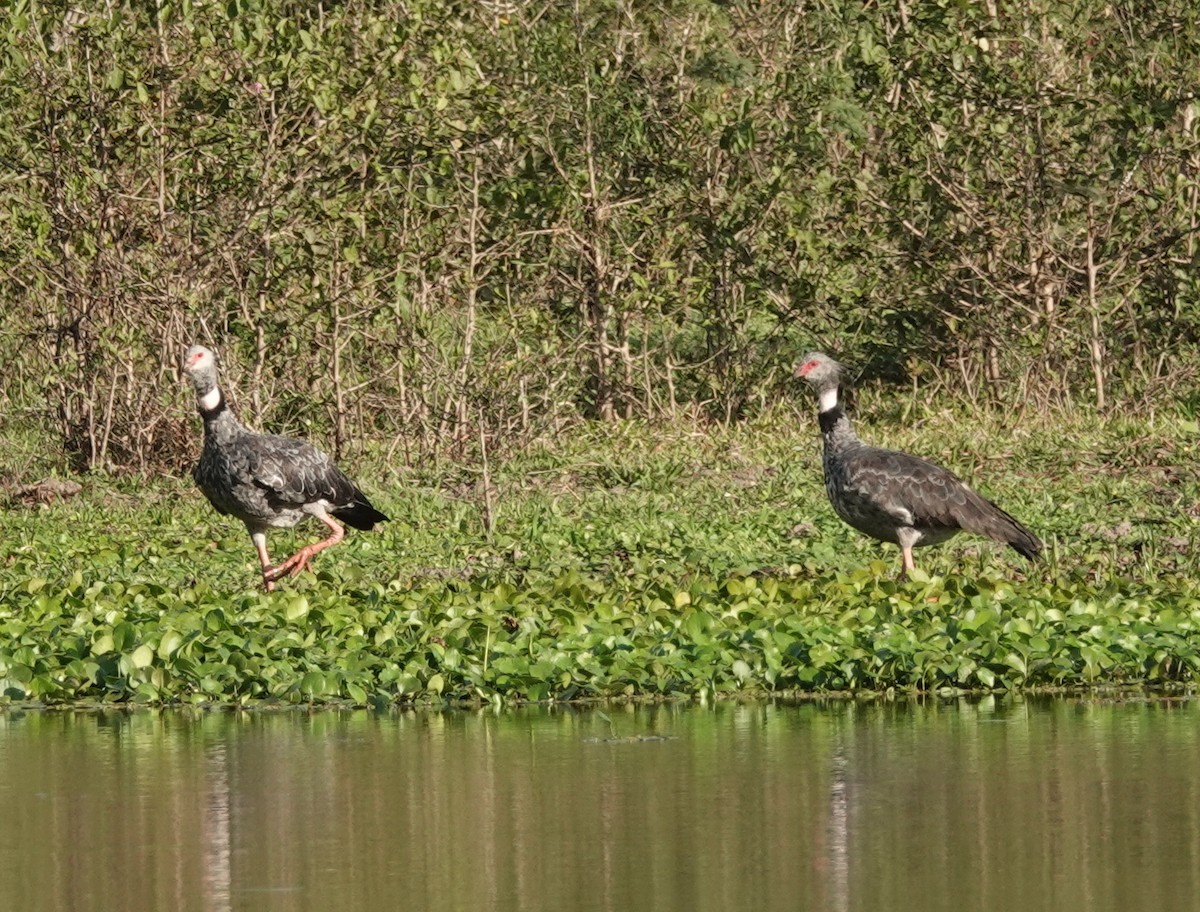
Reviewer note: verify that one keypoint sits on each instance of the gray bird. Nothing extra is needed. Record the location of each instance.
(895, 497)
(268, 481)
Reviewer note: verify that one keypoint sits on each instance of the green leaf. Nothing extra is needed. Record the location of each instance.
(142, 656)
(170, 642)
(313, 684)
(297, 608)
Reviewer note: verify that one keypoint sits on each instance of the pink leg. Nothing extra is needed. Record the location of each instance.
(907, 558)
(260, 545)
(298, 561)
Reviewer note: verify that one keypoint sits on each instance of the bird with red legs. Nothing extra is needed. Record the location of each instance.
(269, 481)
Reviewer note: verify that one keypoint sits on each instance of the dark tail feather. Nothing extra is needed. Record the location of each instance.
(988, 519)
(360, 514)
(1024, 542)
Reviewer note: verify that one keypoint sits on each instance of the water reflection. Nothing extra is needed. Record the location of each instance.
(873, 806)
(216, 829)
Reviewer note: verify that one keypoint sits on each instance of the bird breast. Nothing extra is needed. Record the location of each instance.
(232, 490)
(855, 507)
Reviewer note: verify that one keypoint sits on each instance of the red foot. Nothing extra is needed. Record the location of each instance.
(294, 565)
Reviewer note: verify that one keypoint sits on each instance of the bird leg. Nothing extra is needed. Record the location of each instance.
(298, 561)
(260, 545)
(907, 559)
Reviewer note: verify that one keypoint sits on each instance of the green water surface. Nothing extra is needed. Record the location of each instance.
(1089, 804)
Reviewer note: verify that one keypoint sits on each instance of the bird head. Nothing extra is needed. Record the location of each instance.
(819, 370)
(200, 366)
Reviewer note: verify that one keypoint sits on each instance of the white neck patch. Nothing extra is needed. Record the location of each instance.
(828, 399)
(210, 400)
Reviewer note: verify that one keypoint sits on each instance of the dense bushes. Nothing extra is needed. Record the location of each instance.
(426, 223)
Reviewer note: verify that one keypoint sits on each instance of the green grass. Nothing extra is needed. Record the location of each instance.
(630, 561)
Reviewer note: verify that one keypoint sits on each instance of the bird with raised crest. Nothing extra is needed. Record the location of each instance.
(893, 496)
(269, 481)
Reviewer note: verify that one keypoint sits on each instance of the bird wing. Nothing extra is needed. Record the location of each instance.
(295, 473)
(911, 490)
(925, 496)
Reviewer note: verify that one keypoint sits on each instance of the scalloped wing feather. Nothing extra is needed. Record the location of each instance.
(297, 473)
(915, 492)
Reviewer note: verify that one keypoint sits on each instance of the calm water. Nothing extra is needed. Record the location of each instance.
(1012, 805)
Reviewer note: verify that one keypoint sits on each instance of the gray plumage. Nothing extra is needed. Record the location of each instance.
(893, 496)
(268, 481)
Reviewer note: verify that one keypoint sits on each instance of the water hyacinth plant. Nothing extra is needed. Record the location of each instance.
(709, 567)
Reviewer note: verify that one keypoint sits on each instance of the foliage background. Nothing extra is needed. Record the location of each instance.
(434, 225)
